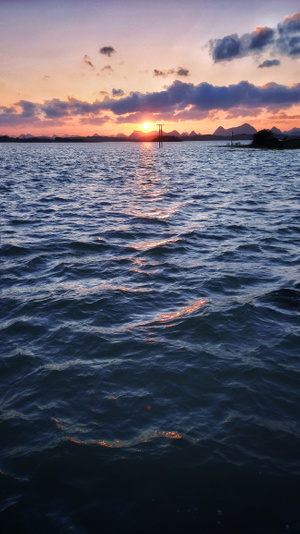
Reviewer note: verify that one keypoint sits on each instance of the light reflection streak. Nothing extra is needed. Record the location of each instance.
(107, 287)
(144, 437)
(165, 317)
(147, 245)
(149, 195)
(160, 214)
(162, 317)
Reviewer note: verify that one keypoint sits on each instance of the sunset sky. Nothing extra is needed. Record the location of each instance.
(97, 66)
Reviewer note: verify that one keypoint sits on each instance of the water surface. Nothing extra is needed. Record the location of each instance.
(150, 339)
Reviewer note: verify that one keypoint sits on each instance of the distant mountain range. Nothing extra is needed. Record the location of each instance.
(244, 129)
(247, 129)
(243, 132)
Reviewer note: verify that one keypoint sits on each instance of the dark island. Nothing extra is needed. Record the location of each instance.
(266, 139)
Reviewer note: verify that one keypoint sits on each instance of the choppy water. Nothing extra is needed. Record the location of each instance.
(150, 339)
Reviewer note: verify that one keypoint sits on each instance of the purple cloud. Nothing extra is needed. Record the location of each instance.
(180, 71)
(260, 38)
(55, 109)
(226, 49)
(117, 92)
(29, 109)
(269, 63)
(178, 101)
(285, 39)
(289, 35)
(205, 96)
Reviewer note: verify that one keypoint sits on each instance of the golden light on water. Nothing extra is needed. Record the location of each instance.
(185, 310)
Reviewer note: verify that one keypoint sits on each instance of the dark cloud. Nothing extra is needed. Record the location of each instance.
(87, 61)
(225, 49)
(289, 35)
(55, 109)
(205, 96)
(117, 92)
(269, 63)
(107, 69)
(29, 109)
(10, 117)
(25, 114)
(285, 40)
(180, 100)
(107, 51)
(77, 107)
(260, 38)
(163, 73)
(232, 46)
(180, 71)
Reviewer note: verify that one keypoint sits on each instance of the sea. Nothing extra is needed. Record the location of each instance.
(149, 369)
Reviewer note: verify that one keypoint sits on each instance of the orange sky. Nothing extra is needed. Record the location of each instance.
(70, 67)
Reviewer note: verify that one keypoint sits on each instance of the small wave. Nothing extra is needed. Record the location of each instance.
(85, 246)
(147, 245)
(283, 298)
(160, 214)
(14, 250)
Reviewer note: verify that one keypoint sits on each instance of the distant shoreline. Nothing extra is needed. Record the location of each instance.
(105, 139)
(291, 142)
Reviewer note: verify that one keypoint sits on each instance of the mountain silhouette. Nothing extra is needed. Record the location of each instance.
(237, 130)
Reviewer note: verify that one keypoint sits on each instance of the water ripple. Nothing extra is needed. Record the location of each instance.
(150, 331)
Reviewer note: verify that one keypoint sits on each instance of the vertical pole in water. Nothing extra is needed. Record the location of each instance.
(160, 144)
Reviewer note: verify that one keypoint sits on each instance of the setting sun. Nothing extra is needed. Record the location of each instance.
(146, 125)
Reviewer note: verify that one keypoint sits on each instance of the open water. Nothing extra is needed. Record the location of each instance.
(149, 339)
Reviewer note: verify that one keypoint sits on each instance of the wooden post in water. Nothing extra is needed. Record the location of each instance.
(160, 134)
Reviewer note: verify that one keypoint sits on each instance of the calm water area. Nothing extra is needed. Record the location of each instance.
(149, 369)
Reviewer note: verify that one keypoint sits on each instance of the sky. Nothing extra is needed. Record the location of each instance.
(74, 67)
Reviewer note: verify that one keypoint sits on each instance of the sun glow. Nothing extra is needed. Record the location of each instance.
(146, 126)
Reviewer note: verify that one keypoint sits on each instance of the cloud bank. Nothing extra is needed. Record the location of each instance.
(179, 101)
(205, 97)
(285, 40)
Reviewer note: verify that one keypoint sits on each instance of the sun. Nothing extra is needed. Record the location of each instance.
(146, 126)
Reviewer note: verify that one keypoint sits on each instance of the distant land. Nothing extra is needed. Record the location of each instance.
(237, 133)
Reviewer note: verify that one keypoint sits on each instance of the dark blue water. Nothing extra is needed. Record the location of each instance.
(149, 339)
